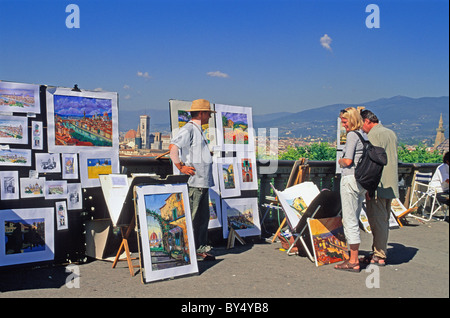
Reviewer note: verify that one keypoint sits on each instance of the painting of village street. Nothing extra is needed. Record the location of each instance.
(242, 218)
(167, 232)
(82, 121)
(329, 244)
(235, 128)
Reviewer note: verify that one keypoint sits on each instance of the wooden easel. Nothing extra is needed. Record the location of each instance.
(294, 178)
(232, 237)
(124, 247)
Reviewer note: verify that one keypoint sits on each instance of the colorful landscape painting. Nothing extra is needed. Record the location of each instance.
(167, 232)
(328, 239)
(82, 121)
(15, 157)
(19, 97)
(228, 176)
(98, 166)
(235, 128)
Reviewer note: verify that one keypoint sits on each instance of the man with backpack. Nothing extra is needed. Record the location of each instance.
(379, 206)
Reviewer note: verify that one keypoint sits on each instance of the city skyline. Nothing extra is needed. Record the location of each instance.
(288, 55)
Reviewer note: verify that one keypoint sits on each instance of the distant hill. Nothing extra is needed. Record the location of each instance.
(413, 119)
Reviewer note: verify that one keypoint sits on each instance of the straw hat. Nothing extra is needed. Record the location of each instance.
(201, 105)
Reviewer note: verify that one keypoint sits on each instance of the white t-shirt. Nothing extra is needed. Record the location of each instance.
(439, 177)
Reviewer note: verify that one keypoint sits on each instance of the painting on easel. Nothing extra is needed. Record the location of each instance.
(167, 246)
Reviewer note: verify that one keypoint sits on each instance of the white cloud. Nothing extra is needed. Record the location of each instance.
(143, 74)
(325, 41)
(217, 74)
(98, 89)
(126, 97)
(126, 86)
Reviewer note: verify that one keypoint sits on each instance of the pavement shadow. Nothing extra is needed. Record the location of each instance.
(37, 278)
(397, 254)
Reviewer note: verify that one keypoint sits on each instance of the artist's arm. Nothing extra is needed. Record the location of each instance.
(177, 162)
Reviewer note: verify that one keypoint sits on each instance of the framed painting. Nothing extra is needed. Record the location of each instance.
(167, 240)
(82, 121)
(215, 211)
(234, 128)
(13, 130)
(179, 116)
(74, 196)
(242, 215)
(15, 157)
(19, 98)
(37, 139)
(26, 235)
(32, 187)
(94, 164)
(48, 162)
(55, 189)
(229, 177)
(328, 239)
(62, 220)
(246, 161)
(69, 165)
(9, 185)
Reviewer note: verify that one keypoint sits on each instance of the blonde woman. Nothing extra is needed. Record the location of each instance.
(352, 193)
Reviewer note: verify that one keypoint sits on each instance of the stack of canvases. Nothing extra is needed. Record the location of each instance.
(72, 137)
(230, 135)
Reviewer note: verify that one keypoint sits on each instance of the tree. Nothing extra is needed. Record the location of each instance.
(317, 151)
(418, 155)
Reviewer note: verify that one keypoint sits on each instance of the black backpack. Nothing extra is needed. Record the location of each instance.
(370, 166)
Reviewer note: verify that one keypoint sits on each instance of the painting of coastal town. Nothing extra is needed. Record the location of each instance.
(235, 128)
(19, 98)
(13, 130)
(81, 122)
(242, 215)
(329, 244)
(166, 230)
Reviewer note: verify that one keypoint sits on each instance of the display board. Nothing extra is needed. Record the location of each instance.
(44, 131)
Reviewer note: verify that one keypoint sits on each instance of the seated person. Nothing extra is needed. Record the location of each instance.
(440, 180)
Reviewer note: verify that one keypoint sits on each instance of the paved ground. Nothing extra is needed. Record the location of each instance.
(418, 267)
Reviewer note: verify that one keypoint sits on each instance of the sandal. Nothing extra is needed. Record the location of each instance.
(349, 267)
(372, 260)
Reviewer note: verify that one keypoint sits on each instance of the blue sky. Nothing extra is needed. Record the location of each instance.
(266, 54)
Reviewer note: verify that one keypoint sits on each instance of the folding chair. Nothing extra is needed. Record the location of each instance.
(421, 193)
(325, 205)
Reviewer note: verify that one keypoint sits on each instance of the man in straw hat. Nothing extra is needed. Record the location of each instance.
(193, 145)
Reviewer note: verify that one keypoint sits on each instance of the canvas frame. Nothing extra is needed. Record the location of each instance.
(91, 95)
(144, 196)
(74, 196)
(215, 202)
(62, 216)
(47, 254)
(223, 110)
(69, 172)
(33, 89)
(37, 135)
(240, 204)
(15, 120)
(53, 184)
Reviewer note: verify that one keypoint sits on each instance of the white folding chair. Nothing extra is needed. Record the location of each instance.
(422, 193)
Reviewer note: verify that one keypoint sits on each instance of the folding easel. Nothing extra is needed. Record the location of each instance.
(232, 237)
(299, 172)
